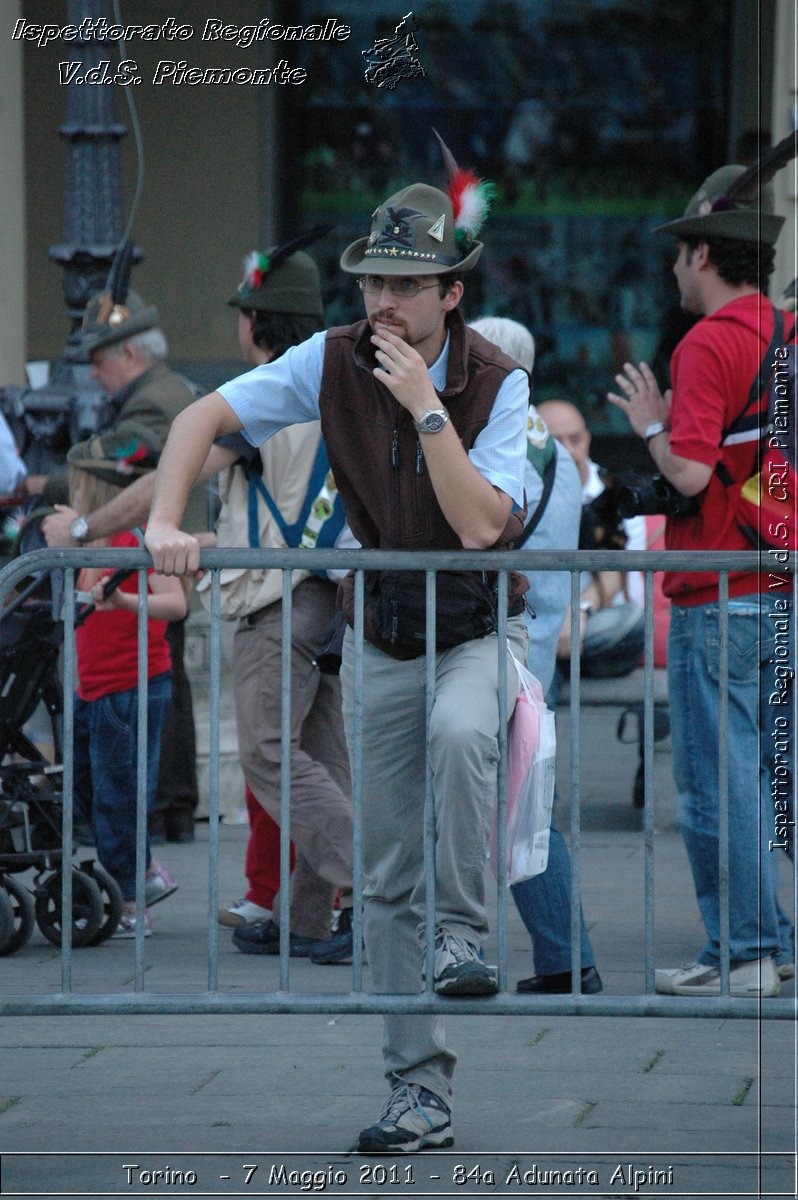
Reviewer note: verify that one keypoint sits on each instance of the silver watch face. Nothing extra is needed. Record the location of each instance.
(79, 529)
(431, 422)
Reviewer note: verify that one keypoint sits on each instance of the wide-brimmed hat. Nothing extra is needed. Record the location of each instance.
(105, 323)
(712, 213)
(119, 455)
(293, 287)
(412, 233)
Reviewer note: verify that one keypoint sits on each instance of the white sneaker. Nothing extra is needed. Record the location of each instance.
(459, 971)
(756, 978)
(243, 912)
(412, 1119)
(127, 925)
(158, 885)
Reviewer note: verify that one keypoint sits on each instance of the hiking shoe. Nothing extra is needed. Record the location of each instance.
(158, 885)
(412, 1119)
(339, 947)
(127, 925)
(263, 937)
(243, 912)
(459, 971)
(756, 978)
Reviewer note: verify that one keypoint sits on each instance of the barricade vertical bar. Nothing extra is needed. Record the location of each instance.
(68, 780)
(648, 777)
(141, 779)
(501, 782)
(357, 793)
(429, 798)
(576, 841)
(285, 784)
(213, 786)
(723, 776)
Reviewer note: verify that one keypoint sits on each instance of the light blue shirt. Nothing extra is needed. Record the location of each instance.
(286, 392)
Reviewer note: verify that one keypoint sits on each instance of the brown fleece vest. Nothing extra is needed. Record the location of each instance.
(374, 450)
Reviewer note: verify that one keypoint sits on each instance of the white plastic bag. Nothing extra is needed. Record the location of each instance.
(531, 750)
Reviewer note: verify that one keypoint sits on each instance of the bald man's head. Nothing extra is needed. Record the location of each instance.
(567, 424)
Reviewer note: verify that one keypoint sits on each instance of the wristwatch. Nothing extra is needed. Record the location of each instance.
(79, 529)
(432, 421)
(653, 429)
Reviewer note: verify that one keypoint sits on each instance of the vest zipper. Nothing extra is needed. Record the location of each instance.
(419, 459)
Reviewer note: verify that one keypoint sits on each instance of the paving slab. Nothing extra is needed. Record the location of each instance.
(83, 1095)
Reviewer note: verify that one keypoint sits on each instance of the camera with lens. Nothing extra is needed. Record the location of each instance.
(643, 496)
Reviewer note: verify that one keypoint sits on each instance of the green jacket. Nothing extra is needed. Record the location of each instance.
(131, 444)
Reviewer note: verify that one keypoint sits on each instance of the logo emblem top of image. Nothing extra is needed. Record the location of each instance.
(393, 59)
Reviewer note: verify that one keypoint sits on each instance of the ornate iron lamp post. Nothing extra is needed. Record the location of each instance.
(47, 420)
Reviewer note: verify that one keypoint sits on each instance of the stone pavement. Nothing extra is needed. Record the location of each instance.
(257, 1105)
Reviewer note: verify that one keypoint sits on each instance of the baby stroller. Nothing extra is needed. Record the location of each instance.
(31, 806)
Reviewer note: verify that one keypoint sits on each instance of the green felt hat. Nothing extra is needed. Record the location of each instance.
(284, 279)
(292, 287)
(105, 323)
(712, 213)
(412, 233)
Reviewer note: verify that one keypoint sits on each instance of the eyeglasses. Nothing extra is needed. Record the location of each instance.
(400, 285)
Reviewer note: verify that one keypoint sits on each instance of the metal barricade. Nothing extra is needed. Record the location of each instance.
(215, 999)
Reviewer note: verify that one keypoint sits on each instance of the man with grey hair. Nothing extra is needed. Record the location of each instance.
(127, 350)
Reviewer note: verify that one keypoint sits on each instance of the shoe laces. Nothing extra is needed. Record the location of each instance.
(456, 947)
(403, 1097)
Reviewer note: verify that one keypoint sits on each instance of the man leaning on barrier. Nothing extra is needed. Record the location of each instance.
(724, 260)
(425, 425)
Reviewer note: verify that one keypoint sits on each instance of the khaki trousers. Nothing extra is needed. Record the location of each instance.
(463, 753)
(321, 808)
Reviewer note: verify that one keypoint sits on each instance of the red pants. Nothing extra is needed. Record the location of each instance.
(262, 866)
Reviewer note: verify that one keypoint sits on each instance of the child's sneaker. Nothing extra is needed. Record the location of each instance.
(242, 912)
(127, 925)
(158, 885)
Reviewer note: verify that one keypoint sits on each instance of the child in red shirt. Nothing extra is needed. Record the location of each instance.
(106, 721)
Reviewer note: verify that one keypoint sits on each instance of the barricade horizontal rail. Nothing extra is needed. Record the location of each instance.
(775, 564)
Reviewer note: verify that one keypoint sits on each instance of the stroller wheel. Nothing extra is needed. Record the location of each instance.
(6, 920)
(111, 899)
(87, 908)
(22, 914)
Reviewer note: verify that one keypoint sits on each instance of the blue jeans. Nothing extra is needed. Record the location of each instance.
(757, 925)
(544, 903)
(106, 734)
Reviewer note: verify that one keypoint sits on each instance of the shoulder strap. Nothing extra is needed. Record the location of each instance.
(291, 533)
(762, 376)
(549, 472)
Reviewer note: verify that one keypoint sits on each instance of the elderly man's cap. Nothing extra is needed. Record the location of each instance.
(283, 279)
(106, 322)
(422, 230)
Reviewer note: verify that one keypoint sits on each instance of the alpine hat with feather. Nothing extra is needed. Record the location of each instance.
(116, 313)
(422, 230)
(737, 202)
(284, 279)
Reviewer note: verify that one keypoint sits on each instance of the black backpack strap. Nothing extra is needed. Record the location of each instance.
(762, 375)
(549, 473)
(746, 419)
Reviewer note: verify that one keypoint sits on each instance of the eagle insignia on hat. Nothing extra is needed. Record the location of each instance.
(397, 229)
